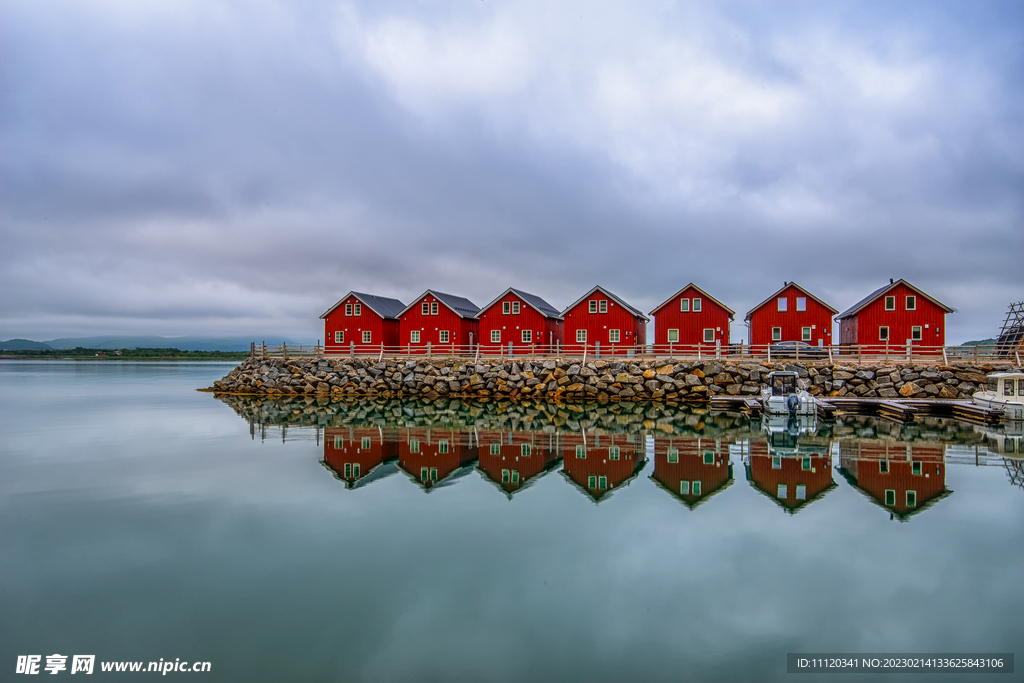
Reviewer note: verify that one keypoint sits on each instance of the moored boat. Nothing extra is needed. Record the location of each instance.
(783, 395)
(1005, 392)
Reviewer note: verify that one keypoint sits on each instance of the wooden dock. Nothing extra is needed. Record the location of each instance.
(891, 409)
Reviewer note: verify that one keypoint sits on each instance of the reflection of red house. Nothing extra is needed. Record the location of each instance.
(514, 460)
(691, 468)
(895, 314)
(791, 314)
(359, 320)
(903, 478)
(791, 481)
(692, 317)
(360, 455)
(440, 320)
(435, 457)
(602, 321)
(598, 465)
(523, 320)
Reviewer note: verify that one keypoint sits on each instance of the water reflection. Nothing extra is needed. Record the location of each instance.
(692, 469)
(902, 478)
(514, 460)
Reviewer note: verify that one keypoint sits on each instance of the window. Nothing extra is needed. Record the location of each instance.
(602, 482)
(1020, 387)
(357, 309)
(776, 462)
(414, 337)
(613, 336)
(603, 306)
(613, 452)
(424, 474)
(883, 333)
(911, 303)
(527, 336)
(433, 474)
(515, 308)
(425, 308)
(366, 336)
(801, 492)
(911, 499)
(890, 496)
(695, 488)
(696, 305)
(593, 306)
(495, 336)
(709, 334)
(1007, 387)
(526, 449)
(515, 476)
(783, 303)
(915, 333)
(433, 308)
(505, 476)
(348, 309)
(709, 457)
(365, 443)
(581, 336)
(414, 445)
(915, 467)
(442, 446)
(782, 491)
(673, 455)
(883, 466)
(348, 470)
(355, 470)
(581, 452)
(805, 334)
(673, 336)
(890, 303)
(776, 333)
(684, 305)
(442, 336)
(801, 303)
(805, 464)
(506, 308)
(339, 337)
(339, 442)
(684, 488)
(592, 481)
(495, 449)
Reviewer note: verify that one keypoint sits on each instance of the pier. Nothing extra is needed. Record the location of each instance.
(892, 409)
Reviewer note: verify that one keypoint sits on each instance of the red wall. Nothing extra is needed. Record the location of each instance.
(345, 445)
(863, 327)
(792, 474)
(791, 321)
(632, 330)
(430, 326)
(691, 466)
(691, 325)
(546, 331)
(429, 454)
(862, 458)
(597, 461)
(381, 330)
(544, 450)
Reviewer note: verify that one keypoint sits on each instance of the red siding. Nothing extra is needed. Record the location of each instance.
(792, 321)
(791, 473)
(546, 331)
(862, 460)
(863, 328)
(352, 326)
(597, 461)
(430, 326)
(632, 328)
(513, 457)
(690, 465)
(431, 456)
(345, 446)
(691, 325)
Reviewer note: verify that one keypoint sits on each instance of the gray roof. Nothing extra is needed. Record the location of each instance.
(882, 290)
(462, 306)
(381, 305)
(604, 291)
(542, 307)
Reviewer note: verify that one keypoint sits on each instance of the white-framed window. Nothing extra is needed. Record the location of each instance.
(348, 470)
(602, 306)
(355, 470)
(433, 308)
(805, 333)
(801, 491)
(581, 452)
(581, 336)
(339, 337)
(911, 302)
(367, 336)
(506, 307)
(776, 333)
(602, 482)
(433, 474)
(805, 464)
(783, 303)
(414, 445)
(890, 303)
(348, 309)
(709, 457)
(695, 487)
(673, 455)
(883, 466)
(890, 496)
(592, 481)
(339, 442)
(414, 337)
(776, 462)
(915, 333)
(495, 448)
(365, 443)
(495, 336)
(709, 334)
(801, 303)
(613, 452)
(442, 446)
(911, 499)
(424, 474)
(442, 336)
(593, 306)
(613, 336)
(696, 305)
(684, 305)
(527, 336)
(515, 476)
(505, 476)
(357, 309)
(782, 492)
(684, 487)
(883, 333)
(673, 336)
(515, 308)
(425, 308)
(526, 449)
(915, 467)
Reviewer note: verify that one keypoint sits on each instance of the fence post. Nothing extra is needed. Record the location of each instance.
(252, 349)
(351, 348)
(429, 348)
(284, 350)
(908, 350)
(975, 354)
(597, 349)
(263, 352)
(945, 358)
(769, 353)
(718, 349)
(886, 350)
(830, 361)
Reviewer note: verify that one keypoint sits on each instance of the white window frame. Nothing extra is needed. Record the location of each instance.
(506, 476)
(495, 448)
(805, 464)
(495, 336)
(673, 336)
(602, 482)
(614, 453)
(433, 308)
(805, 334)
(602, 306)
(776, 462)
(527, 336)
(339, 337)
(696, 304)
(782, 492)
(890, 499)
(614, 336)
(443, 337)
(433, 474)
(367, 336)
(883, 333)
(339, 442)
(783, 304)
(414, 445)
(709, 335)
(801, 303)
(916, 467)
(911, 302)
(443, 447)
(515, 308)
(695, 487)
(581, 451)
(684, 305)
(365, 443)
(709, 457)
(673, 455)
(801, 491)
(526, 450)
(515, 476)
(425, 308)
(581, 336)
(883, 466)
(890, 303)
(593, 305)
(916, 333)
(684, 487)
(414, 337)
(776, 334)
(592, 481)
(348, 310)
(911, 499)
(506, 307)
(357, 309)
(348, 470)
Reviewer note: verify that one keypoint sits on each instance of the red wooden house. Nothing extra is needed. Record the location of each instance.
(895, 314)
(434, 458)
(597, 465)
(360, 455)
(519, 321)
(441, 320)
(515, 460)
(691, 317)
(361, 320)
(903, 478)
(791, 314)
(604, 324)
(691, 468)
(791, 481)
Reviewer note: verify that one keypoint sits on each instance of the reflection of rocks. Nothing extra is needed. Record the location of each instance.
(603, 380)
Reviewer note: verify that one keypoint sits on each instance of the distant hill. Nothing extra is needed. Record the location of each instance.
(979, 342)
(192, 343)
(23, 345)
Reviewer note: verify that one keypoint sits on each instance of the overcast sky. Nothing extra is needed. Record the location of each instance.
(233, 168)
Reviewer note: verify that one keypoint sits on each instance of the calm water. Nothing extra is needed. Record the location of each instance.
(143, 520)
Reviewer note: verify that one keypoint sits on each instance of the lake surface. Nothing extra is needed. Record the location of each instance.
(417, 541)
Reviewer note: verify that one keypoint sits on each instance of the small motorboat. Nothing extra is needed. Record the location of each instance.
(1005, 392)
(783, 395)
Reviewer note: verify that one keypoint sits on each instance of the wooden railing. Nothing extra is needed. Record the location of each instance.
(857, 354)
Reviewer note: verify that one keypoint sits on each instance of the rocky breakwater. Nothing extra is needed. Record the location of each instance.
(566, 379)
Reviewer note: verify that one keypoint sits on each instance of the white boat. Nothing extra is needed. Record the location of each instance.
(783, 434)
(1005, 392)
(1005, 439)
(783, 395)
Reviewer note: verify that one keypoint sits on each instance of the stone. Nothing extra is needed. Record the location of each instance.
(909, 389)
(842, 375)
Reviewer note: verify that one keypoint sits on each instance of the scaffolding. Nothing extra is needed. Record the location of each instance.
(1011, 337)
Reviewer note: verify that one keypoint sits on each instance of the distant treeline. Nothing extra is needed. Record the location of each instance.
(132, 354)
